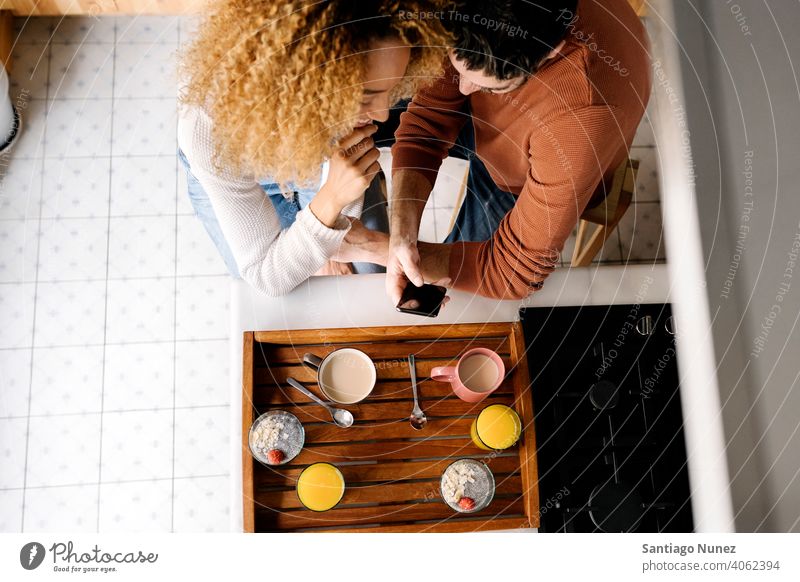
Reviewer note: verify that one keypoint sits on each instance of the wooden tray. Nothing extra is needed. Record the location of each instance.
(392, 472)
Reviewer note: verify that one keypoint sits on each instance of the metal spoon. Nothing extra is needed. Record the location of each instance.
(341, 417)
(417, 418)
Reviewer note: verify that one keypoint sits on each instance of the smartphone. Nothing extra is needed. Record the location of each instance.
(425, 300)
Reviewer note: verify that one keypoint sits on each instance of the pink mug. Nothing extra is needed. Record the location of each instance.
(474, 381)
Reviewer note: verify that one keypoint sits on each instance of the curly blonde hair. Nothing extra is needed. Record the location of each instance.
(281, 80)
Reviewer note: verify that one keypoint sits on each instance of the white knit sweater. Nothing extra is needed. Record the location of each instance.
(272, 260)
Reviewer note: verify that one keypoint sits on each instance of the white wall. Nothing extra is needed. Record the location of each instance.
(742, 95)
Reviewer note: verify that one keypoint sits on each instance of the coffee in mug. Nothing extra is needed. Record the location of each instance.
(345, 376)
(478, 373)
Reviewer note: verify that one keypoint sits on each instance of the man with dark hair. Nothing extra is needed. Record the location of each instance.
(509, 39)
(543, 98)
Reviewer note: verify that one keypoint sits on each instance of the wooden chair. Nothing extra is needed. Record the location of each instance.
(6, 38)
(462, 191)
(639, 6)
(606, 215)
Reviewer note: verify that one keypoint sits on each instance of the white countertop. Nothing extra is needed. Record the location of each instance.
(360, 301)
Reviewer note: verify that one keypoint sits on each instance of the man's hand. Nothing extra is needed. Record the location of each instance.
(335, 268)
(410, 193)
(402, 266)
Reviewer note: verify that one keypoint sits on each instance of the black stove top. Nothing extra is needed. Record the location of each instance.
(609, 429)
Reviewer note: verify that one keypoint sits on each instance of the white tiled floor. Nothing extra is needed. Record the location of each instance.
(113, 301)
(113, 308)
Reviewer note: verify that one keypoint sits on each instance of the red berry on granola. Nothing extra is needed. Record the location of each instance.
(466, 503)
(275, 456)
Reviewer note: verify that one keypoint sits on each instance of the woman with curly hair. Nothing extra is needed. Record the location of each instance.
(275, 123)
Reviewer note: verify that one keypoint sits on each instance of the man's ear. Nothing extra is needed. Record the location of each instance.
(556, 50)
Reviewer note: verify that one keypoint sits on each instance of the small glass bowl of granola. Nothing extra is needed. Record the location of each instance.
(467, 485)
(276, 437)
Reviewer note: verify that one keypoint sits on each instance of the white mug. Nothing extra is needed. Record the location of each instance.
(345, 376)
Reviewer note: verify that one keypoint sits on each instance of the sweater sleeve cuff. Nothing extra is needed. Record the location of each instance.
(327, 238)
(463, 271)
(354, 209)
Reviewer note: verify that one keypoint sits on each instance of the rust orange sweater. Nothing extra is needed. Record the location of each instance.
(549, 142)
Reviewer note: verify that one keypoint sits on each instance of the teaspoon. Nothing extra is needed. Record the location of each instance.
(418, 419)
(341, 417)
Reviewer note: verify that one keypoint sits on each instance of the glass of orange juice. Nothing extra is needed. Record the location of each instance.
(497, 427)
(320, 487)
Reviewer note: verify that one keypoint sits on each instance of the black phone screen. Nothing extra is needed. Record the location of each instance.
(425, 300)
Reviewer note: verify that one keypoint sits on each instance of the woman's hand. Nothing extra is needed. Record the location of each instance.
(361, 245)
(353, 166)
(351, 170)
